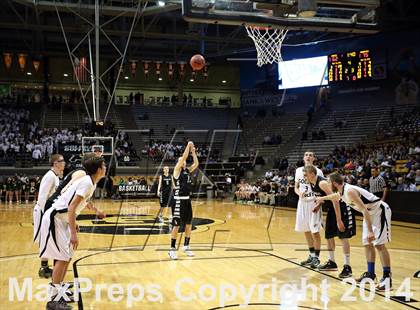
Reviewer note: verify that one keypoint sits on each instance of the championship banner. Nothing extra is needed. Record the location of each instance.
(181, 66)
(22, 61)
(8, 59)
(36, 63)
(146, 67)
(171, 69)
(133, 67)
(158, 66)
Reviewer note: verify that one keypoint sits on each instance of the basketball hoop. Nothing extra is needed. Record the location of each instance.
(98, 149)
(267, 42)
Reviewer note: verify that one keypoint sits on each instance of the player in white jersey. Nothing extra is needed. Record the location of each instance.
(376, 225)
(307, 221)
(58, 235)
(49, 184)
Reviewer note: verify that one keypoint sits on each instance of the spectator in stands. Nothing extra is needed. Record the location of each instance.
(417, 179)
(409, 185)
(401, 185)
(36, 156)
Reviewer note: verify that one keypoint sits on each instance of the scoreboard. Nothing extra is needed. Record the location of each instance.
(350, 66)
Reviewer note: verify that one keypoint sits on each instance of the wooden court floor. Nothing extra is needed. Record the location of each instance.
(244, 255)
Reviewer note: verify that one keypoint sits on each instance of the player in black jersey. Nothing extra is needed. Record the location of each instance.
(164, 191)
(182, 209)
(340, 222)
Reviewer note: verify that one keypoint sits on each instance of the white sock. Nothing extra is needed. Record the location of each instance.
(312, 254)
(347, 259)
(331, 255)
(53, 290)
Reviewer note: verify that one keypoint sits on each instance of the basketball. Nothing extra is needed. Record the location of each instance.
(197, 62)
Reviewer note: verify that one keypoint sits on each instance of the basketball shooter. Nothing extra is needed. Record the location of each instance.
(182, 210)
(164, 191)
(49, 183)
(376, 225)
(58, 234)
(308, 221)
(340, 222)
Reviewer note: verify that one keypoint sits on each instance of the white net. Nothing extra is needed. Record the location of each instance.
(267, 43)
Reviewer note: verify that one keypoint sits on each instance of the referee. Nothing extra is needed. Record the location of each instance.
(377, 184)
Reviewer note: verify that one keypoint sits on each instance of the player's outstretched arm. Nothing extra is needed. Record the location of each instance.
(332, 197)
(195, 158)
(179, 164)
(360, 206)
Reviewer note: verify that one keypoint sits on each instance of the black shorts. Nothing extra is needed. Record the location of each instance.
(347, 216)
(164, 199)
(181, 212)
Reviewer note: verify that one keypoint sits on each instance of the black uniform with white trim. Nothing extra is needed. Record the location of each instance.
(182, 209)
(347, 215)
(166, 187)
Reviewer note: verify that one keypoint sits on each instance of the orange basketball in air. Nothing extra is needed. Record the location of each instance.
(197, 62)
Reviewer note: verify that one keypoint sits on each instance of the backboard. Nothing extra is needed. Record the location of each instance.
(354, 16)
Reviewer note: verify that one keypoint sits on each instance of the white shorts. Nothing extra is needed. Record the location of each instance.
(55, 237)
(381, 225)
(306, 219)
(36, 218)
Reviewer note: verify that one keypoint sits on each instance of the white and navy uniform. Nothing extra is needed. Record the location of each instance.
(55, 229)
(379, 211)
(49, 183)
(306, 219)
(347, 216)
(182, 209)
(165, 188)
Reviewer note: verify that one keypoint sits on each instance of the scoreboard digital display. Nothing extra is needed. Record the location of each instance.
(350, 66)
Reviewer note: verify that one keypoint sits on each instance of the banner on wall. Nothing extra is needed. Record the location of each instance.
(8, 59)
(80, 72)
(133, 67)
(146, 67)
(257, 98)
(22, 61)
(171, 69)
(36, 63)
(182, 67)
